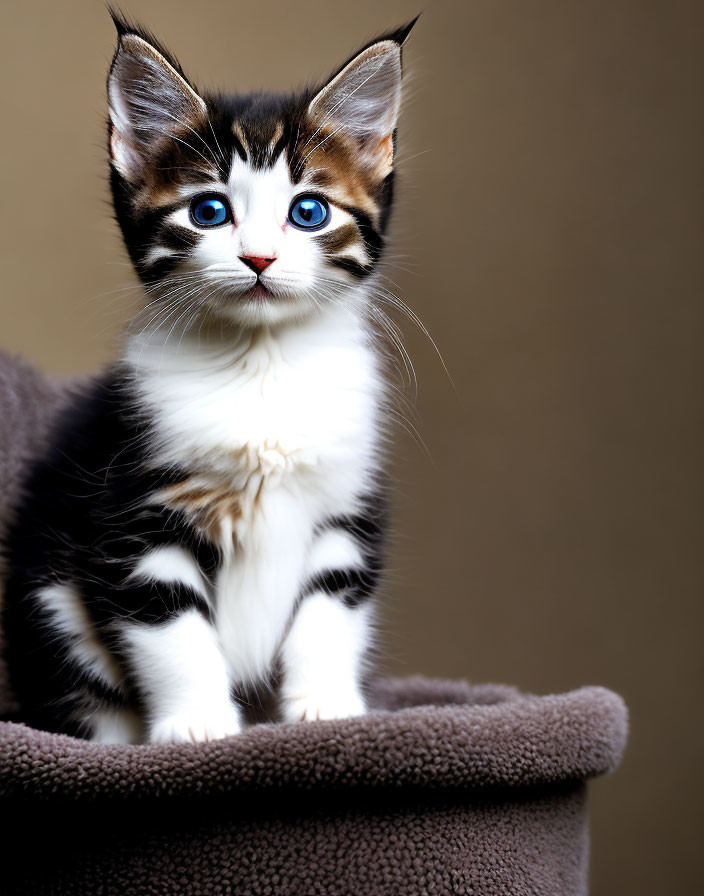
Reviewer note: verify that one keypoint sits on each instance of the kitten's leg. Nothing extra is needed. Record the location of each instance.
(323, 652)
(321, 659)
(181, 674)
(176, 663)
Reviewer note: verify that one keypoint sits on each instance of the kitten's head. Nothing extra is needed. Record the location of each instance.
(255, 209)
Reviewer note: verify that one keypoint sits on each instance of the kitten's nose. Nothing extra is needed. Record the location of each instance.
(256, 262)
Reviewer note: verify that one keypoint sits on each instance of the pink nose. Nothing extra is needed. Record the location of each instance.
(256, 262)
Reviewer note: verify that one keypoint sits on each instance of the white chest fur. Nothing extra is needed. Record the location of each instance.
(283, 423)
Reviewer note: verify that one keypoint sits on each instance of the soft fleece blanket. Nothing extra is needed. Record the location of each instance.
(444, 788)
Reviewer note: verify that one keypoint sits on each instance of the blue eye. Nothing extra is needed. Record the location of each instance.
(210, 211)
(309, 212)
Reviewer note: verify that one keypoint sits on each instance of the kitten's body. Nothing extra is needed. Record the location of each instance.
(265, 445)
(210, 517)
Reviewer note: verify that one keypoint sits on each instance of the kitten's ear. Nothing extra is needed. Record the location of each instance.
(364, 99)
(149, 100)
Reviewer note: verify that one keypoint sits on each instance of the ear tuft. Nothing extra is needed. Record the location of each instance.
(400, 35)
(126, 26)
(118, 20)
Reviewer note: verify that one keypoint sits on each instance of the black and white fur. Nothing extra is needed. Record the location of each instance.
(210, 516)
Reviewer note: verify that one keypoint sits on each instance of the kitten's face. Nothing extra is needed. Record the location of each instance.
(255, 210)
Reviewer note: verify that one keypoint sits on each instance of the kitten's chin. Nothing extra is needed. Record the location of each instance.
(261, 307)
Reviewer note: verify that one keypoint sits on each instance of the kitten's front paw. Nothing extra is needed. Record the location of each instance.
(309, 707)
(190, 727)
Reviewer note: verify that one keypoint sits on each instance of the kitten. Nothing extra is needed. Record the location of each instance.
(210, 516)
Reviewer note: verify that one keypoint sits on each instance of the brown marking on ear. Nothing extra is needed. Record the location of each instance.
(385, 154)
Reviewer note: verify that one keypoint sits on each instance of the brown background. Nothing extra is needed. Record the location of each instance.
(549, 234)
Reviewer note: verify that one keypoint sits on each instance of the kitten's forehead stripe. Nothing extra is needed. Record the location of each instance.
(281, 140)
(239, 141)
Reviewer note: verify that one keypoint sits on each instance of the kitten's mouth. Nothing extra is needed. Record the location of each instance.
(258, 291)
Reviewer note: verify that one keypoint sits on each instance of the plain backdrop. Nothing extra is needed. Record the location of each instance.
(549, 517)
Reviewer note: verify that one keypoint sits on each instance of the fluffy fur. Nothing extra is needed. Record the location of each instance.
(210, 517)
